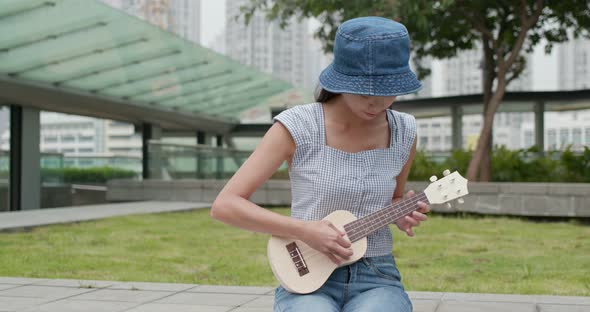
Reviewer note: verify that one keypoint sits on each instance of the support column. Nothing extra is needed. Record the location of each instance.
(229, 141)
(220, 157)
(457, 127)
(202, 139)
(150, 158)
(540, 127)
(25, 159)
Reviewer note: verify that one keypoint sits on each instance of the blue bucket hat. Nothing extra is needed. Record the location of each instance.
(371, 57)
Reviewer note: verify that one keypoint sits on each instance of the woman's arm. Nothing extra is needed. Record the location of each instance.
(233, 207)
(406, 223)
(402, 178)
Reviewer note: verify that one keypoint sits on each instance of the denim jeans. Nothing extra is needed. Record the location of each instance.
(370, 284)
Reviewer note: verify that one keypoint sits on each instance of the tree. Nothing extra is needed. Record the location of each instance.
(504, 29)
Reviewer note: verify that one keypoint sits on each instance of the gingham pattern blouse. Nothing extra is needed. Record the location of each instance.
(325, 179)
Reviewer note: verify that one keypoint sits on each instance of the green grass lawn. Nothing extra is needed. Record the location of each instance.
(451, 254)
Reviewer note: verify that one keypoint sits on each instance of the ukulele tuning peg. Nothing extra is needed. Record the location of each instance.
(449, 205)
(433, 179)
(446, 172)
(460, 201)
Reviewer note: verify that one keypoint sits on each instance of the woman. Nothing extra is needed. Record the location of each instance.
(347, 151)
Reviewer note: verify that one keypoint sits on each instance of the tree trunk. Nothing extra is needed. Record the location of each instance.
(484, 140)
(483, 167)
(503, 66)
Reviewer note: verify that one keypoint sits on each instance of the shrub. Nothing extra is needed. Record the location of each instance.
(524, 165)
(85, 175)
(576, 168)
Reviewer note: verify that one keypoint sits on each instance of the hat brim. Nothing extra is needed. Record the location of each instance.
(373, 85)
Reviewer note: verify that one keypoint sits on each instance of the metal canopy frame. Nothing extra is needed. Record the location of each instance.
(513, 102)
(537, 102)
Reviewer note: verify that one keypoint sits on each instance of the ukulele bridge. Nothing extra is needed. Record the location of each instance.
(297, 258)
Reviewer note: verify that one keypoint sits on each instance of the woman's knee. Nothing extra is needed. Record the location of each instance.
(380, 299)
(289, 302)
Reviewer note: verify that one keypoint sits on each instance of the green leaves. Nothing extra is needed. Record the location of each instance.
(85, 175)
(524, 165)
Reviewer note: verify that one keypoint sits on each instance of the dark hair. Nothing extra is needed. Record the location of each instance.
(322, 95)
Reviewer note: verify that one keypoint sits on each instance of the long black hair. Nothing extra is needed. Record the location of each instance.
(322, 95)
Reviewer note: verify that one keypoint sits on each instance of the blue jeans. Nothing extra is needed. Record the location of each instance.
(370, 284)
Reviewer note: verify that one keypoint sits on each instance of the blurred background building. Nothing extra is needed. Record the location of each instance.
(181, 17)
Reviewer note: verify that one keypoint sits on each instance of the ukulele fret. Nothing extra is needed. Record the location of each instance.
(297, 258)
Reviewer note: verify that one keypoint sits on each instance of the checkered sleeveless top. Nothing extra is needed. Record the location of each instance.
(325, 179)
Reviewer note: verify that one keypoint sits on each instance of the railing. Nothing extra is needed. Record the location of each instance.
(132, 163)
(173, 161)
(59, 161)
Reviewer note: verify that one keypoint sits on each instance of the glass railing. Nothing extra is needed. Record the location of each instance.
(173, 161)
(59, 169)
(4, 164)
(4, 180)
(132, 163)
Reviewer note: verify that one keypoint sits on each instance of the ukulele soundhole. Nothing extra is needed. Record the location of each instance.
(297, 258)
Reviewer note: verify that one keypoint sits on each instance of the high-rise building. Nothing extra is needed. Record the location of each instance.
(315, 61)
(181, 17)
(463, 74)
(574, 64)
(73, 135)
(283, 53)
(70, 134)
(427, 88)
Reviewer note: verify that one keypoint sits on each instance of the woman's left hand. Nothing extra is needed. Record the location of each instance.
(406, 223)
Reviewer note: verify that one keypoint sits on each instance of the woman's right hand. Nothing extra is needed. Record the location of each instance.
(324, 237)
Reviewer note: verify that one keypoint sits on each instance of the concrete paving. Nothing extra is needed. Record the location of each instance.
(22, 220)
(65, 295)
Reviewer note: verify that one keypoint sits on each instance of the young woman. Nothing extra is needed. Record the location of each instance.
(347, 151)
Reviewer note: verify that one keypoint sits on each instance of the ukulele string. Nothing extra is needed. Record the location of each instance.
(310, 252)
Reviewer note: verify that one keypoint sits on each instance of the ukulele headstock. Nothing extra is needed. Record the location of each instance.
(452, 186)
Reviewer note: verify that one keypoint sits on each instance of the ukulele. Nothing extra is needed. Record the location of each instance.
(301, 269)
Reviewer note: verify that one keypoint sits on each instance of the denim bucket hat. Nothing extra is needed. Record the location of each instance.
(371, 57)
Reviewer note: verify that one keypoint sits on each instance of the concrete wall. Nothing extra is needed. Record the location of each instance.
(66, 196)
(4, 197)
(56, 196)
(527, 199)
(59, 196)
(272, 193)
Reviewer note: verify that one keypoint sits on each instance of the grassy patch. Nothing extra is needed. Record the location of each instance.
(457, 254)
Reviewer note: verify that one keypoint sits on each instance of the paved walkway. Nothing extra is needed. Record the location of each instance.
(19, 220)
(61, 295)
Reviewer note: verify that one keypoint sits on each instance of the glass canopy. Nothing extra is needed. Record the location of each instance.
(91, 47)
